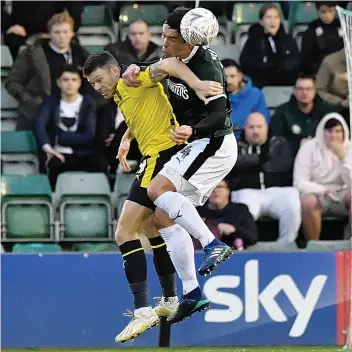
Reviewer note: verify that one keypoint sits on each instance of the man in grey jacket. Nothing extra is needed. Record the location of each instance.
(263, 177)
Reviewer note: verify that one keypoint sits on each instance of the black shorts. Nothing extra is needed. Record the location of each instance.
(149, 167)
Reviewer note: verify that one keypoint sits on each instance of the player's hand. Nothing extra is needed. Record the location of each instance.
(205, 89)
(122, 154)
(181, 134)
(130, 76)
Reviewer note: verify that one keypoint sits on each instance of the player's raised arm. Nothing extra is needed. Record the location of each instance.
(174, 67)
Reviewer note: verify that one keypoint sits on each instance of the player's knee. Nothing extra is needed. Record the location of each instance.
(124, 234)
(159, 185)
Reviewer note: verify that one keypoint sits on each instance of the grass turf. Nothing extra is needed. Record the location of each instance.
(191, 349)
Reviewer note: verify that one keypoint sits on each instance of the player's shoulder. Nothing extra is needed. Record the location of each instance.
(208, 55)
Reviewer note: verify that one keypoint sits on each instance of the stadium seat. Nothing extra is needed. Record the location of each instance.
(153, 14)
(322, 246)
(245, 14)
(122, 186)
(18, 153)
(275, 96)
(36, 248)
(95, 247)
(226, 51)
(94, 43)
(27, 212)
(97, 20)
(6, 60)
(84, 207)
(301, 14)
(8, 110)
(273, 247)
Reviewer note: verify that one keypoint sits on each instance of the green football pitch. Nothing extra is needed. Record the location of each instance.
(189, 349)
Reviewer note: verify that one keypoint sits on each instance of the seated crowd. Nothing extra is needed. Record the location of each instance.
(293, 167)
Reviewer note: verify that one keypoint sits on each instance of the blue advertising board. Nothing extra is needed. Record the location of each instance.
(78, 300)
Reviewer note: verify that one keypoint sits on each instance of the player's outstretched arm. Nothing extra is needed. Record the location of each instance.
(124, 148)
(174, 67)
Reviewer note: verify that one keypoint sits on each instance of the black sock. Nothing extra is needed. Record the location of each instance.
(135, 265)
(164, 267)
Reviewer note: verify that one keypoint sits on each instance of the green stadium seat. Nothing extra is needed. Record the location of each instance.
(36, 248)
(26, 209)
(84, 206)
(153, 14)
(122, 186)
(6, 60)
(226, 51)
(301, 14)
(325, 246)
(95, 247)
(97, 20)
(9, 107)
(273, 247)
(275, 96)
(18, 153)
(94, 48)
(245, 14)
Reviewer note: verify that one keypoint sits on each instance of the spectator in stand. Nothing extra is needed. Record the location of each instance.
(30, 18)
(243, 96)
(65, 128)
(137, 47)
(332, 82)
(323, 37)
(228, 221)
(263, 177)
(298, 119)
(110, 129)
(33, 75)
(270, 56)
(322, 174)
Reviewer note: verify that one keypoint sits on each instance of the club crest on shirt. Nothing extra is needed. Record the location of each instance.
(178, 89)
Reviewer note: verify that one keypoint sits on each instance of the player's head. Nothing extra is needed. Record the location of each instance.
(69, 80)
(270, 18)
(256, 129)
(326, 11)
(102, 72)
(173, 43)
(234, 75)
(305, 90)
(139, 35)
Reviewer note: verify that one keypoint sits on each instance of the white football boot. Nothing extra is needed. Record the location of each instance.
(142, 319)
(166, 306)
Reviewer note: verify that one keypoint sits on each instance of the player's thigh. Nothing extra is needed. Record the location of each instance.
(197, 169)
(132, 218)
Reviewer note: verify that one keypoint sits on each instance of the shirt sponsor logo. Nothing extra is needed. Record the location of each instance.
(179, 89)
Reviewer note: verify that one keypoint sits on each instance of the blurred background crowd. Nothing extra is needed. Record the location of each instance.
(288, 87)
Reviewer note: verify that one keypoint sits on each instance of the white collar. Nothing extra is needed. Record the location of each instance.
(191, 54)
(58, 50)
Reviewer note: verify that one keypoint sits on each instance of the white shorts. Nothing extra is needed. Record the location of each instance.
(199, 167)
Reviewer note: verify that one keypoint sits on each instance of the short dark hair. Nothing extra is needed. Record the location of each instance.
(304, 75)
(268, 6)
(174, 19)
(231, 62)
(70, 68)
(100, 59)
(332, 123)
(319, 4)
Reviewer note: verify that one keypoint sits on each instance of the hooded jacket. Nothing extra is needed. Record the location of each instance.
(260, 167)
(316, 167)
(249, 99)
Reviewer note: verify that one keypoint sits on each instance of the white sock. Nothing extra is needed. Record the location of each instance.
(180, 247)
(184, 213)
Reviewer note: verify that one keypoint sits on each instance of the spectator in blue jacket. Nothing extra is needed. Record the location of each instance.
(243, 96)
(65, 128)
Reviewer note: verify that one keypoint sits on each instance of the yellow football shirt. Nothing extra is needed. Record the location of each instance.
(147, 113)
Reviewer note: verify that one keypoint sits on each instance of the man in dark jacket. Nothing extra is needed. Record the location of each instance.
(137, 47)
(34, 73)
(228, 221)
(263, 177)
(65, 128)
(297, 120)
(323, 37)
